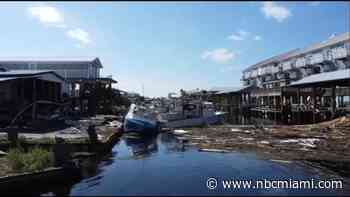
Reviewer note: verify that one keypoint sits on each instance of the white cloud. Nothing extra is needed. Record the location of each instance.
(243, 35)
(80, 35)
(272, 10)
(47, 15)
(257, 37)
(240, 35)
(220, 55)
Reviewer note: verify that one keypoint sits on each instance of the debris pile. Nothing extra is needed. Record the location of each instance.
(74, 131)
(326, 142)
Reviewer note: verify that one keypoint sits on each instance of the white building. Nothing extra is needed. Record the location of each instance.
(330, 55)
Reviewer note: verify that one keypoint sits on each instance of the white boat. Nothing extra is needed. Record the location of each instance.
(197, 114)
(140, 121)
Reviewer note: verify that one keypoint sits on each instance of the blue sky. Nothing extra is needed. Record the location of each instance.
(168, 45)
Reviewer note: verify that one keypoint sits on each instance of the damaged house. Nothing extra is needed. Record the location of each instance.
(26, 89)
(75, 81)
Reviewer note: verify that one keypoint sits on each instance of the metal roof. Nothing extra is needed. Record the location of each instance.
(50, 60)
(2, 79)
(323, 77)
(219, 89)
(231, 89)
(273, 59)
(331, 41)
(7, 78)
(23, 73)
(101, 79)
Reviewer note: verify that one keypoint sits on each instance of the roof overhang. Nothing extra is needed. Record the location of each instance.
(92, 80)
(339, 77)
(6, 79)
(28, 73)
(52, 60)
(233, 90)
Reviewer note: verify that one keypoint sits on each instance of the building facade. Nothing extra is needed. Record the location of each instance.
(71, 69)
(88, 92)
(279, 71)
(307, 82)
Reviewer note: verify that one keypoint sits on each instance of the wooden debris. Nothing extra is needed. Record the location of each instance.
(280, 161)
(213, 150)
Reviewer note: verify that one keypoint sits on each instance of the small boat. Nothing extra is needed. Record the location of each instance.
(197, 114)
(137, 120)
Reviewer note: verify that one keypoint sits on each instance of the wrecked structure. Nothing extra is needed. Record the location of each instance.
(23, 89)
(70, 81)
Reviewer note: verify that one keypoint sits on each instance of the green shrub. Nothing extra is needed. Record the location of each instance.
(34, 160)
(15, 159)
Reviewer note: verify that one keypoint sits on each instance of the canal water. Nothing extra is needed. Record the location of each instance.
(165, 165)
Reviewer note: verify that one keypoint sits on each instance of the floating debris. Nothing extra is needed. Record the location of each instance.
(248, 131)
(290, 141)
(115, 124)
(200, 138)
(246, 138)
(236, 130)
(264, 142)
(309, 142)
(214, 150)
(180, 132)
(280, 161)
(182, 138)
(70, 130)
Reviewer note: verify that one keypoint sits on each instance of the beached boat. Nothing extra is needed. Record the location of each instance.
(140, 121)
(198, 114)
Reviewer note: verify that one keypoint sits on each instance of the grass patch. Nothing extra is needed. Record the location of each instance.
(35, 159)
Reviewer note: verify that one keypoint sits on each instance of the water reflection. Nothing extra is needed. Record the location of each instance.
(238, 119)
(144, 146)
(93, 170)
(141, 146)
(164, 165)
(173, 143)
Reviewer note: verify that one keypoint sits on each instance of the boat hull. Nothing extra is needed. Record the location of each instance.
(137, 124)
